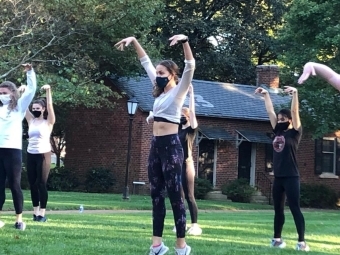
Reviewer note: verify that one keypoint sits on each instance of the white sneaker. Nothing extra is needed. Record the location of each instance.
(159, 250)
(195, 230)
(302, 246)
(2, 224)
(184, 251)
(278, 244)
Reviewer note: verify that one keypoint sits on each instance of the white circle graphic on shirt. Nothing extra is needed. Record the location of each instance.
(279, 143)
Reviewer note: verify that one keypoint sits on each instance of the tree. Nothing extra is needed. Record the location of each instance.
(228, 37)
(70, 44)
(312, 33)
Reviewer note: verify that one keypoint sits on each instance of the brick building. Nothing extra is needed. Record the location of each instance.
(233, 139)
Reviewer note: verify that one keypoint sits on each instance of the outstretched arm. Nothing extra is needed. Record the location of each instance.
(28, 115)
(269, 106)
(189, 68)
(49, 104)
(294, 107)
(144, 59)
(192, 114)
(321, 70)
(29, 92)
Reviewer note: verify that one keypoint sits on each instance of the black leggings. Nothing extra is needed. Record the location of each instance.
(164, 171)
(38, 169)
(188, 184)
(290, 187)
(10, 168)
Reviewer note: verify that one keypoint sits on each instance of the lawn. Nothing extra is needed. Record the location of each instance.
(224, 232)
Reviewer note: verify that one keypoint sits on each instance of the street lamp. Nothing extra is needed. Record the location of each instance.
(132, 107)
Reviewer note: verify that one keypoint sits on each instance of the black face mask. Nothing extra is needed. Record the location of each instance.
(282, 126)
(183, 120)
(162, 82)
(36, 114)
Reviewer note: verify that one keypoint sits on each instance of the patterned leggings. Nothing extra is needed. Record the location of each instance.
(164, 170)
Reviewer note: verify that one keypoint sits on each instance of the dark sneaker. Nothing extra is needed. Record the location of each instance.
(41, 218)
(302, 247)
(278, 244)
(20, 226)
(34, 217)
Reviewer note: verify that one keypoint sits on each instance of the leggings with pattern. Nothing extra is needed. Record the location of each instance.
(164, 171)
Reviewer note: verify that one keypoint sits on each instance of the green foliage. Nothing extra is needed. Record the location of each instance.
(243, 32)
(202, 187)
(310, 34)
(238, 190)
(62, 179)
(318, 196)
(99, 180)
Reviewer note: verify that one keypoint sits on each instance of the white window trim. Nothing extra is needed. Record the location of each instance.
(329, 175)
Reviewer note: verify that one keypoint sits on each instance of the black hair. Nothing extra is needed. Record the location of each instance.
(285, 113)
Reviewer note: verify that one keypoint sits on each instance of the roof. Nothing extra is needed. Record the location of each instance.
(213, 99)
(215, 133)
(254, 136)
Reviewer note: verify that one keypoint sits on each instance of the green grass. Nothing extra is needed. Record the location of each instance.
(243, 232)
(72, 200)
(225, 230)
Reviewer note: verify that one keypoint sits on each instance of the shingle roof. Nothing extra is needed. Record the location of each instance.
(215, 133)
(213, 99)
(255, 136)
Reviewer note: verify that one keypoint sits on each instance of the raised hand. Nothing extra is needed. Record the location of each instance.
(290, 90)
(22, 88)
(260, 90)
(308, 70)
(45, 87)
(27, 67)
(177, 38)
(124, 43)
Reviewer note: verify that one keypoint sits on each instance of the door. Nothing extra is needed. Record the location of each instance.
(244, 160)
(206, 160)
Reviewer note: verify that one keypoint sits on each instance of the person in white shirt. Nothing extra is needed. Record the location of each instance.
(40, 124)
(166, 152)
(12, 112)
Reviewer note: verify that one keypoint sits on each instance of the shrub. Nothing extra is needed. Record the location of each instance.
(62, 179)
(238, 190)
(318, 196)
(202, 187)
(99, 180)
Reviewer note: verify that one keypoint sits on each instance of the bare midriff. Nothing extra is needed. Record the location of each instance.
(164, 128)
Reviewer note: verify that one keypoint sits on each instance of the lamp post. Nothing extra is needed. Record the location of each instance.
(132, 107)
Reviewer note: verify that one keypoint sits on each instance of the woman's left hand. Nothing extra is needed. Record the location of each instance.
(177, 38)
(290, 90)
(22, 88)
(45, 87)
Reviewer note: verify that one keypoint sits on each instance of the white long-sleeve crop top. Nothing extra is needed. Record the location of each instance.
(11, 120)
(169, 105)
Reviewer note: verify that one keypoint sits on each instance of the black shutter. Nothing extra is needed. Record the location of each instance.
(269, 157)
(337, 171)
(318, 156)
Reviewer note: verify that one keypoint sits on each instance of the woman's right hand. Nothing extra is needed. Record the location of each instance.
(260, 90)
(124, 43)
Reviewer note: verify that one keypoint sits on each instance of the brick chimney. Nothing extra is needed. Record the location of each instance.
(267, 75)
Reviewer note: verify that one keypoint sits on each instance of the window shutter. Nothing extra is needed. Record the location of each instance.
(337, 171)
(318, 157)
(269, 158)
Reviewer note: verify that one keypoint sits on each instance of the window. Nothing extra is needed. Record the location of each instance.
(327, 155)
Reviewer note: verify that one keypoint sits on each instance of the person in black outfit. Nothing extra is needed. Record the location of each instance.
(287, 135)
(186, 132)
